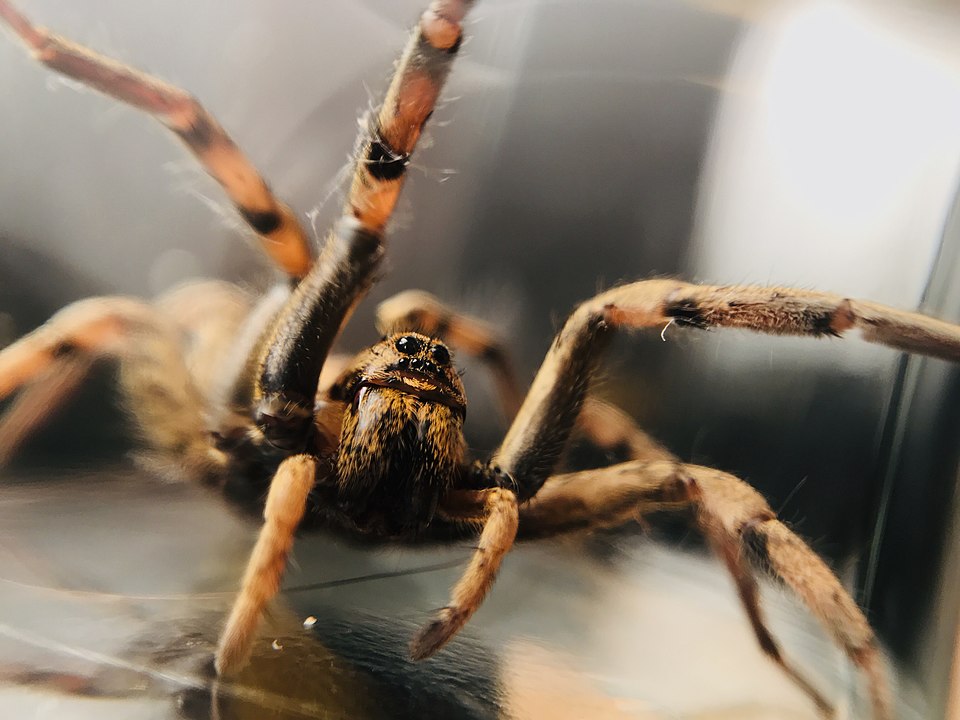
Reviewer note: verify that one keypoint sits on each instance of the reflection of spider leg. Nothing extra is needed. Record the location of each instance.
(496, 508)
(157, 386)
(66, 683)
(280, 234)
(736, 520)
(606, 426)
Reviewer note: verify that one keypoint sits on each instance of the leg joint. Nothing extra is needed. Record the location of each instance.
(754, 538)
(382, 162)
(486, 475)
(284, 421)
(685, 311)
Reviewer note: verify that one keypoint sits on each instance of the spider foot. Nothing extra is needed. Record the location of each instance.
(437, 633)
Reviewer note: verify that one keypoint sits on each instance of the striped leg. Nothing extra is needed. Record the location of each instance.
(727, 510)
(280, 233)
(736, 521)
(307, 326)
(533, 444)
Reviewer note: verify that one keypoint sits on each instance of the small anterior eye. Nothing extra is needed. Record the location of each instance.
(440, 354)
(409, 345)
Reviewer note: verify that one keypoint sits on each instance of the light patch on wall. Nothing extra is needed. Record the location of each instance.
(836, 164)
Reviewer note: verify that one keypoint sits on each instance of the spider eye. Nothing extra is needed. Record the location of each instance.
(440, 354)
(409, 345)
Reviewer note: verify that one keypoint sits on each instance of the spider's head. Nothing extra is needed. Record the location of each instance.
(410, 363)
(401, 440)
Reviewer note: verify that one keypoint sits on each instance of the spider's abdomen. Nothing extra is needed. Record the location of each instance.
(398, 454)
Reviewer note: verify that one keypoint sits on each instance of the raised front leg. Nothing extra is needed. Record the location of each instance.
(295, 348)
(305, 329)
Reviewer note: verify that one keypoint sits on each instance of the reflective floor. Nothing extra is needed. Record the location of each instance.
(114, 585)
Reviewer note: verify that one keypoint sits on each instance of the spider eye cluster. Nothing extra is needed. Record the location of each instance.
(410, 345)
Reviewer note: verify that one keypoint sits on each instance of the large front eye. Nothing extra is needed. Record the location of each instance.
(440, 355)
(409, 345)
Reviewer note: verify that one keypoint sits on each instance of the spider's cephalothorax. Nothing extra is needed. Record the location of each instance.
(381, 449)
(401, 439)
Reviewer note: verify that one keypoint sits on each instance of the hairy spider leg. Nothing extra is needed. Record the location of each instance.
(296, 345)
(156, 383)
(284, 509)
(605, 426)
(280, 233)
(496, 509)
(304, 331)
(737, 523)
(536, 439)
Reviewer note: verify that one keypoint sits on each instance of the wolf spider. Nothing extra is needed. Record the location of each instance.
(246, 397)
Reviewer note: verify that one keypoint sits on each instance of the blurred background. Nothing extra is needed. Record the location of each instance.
(579, 144)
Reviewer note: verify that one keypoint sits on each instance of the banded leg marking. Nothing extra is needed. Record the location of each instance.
(537, 437)
(281, 235)
(311, 320)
